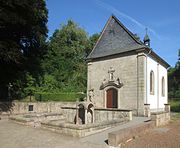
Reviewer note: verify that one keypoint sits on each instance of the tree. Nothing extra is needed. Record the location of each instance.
(92, 41)
(30, 88)
(65, 59)
(64, 65)
(23, 32)
(174, 80)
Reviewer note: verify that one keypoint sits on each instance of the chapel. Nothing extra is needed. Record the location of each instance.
(125, 73)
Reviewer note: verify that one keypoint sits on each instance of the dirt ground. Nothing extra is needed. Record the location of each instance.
(13, 135)
(162, 137)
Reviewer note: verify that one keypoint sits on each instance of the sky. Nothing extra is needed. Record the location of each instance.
(161, 17)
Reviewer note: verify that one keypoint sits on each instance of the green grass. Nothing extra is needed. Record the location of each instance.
(175, 105)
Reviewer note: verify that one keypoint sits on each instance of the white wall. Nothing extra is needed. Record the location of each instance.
(156, 100)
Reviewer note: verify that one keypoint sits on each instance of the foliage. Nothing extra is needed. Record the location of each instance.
(92, 41)
(174, 80)
(32, 65)
(30, 88)
(69, 97)
(22, 41)
(175, 105)
(64, 65)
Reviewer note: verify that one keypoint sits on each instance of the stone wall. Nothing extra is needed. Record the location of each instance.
(161, 118)
(125, 69)
(111, 114)
(32, 107)
(100, 114)
(122, 135)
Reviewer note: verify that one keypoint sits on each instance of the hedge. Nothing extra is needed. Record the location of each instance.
(69, 97)
(175, 106)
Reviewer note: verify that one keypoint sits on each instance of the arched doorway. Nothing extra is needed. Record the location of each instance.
(112, 98)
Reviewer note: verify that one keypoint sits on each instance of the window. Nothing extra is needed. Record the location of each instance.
(163, 87)
(152, 82)
(31, 108)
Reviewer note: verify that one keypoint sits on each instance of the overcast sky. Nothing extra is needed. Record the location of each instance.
(161, 17)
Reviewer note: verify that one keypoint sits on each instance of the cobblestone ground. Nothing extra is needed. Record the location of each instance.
(162, 137)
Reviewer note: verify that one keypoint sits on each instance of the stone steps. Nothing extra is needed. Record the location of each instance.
(38, 119)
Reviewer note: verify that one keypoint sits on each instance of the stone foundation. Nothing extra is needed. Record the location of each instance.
(161, 118)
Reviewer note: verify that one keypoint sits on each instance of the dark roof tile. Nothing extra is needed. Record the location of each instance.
(115, 39)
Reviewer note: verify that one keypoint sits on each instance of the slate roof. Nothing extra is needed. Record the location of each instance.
(116, 39)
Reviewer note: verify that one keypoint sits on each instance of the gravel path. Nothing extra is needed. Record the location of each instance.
(20, 136)
(13, 135)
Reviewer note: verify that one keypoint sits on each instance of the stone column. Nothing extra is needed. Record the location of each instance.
(167, 108)
(130, 115)
(85, 116)
(93, 115)
(77, 115)
(141, 83)
(147, 112)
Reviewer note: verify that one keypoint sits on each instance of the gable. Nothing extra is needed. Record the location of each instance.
(115, 39)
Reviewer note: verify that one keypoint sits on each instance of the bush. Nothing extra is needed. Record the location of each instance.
(175, 106)
(69, 97)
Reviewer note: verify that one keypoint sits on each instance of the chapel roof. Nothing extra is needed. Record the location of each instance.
(116, 39)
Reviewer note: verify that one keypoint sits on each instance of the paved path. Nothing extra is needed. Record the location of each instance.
(13, 135)
(102, 137)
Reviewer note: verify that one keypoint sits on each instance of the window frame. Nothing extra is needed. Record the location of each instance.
(152, 82)
(163, 87)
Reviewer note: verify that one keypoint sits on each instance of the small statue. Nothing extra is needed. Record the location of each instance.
(91, 94)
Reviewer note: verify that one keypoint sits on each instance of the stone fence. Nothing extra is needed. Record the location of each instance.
(32, 107)
(100, 114)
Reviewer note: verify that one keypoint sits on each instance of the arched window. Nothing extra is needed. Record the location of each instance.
(152, 82)
(163, 87)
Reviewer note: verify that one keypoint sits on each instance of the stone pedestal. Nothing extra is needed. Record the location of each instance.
(130, 115)
(167, 107)
(147, 112)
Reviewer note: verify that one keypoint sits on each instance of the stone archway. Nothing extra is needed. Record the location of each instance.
(81, 114)
(112, 98)
(90, 112)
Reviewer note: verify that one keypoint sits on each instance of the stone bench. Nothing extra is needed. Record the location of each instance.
(122, 135)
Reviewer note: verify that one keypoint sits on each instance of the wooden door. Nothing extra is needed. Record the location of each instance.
(112, 96)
